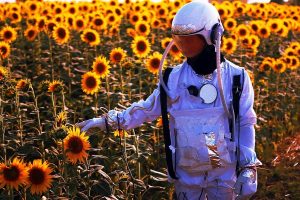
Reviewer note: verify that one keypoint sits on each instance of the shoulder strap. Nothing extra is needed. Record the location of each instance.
(165, 121)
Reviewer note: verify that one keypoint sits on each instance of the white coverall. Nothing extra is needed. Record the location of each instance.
(215, 183)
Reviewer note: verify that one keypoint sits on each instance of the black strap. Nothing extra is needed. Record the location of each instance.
(165, 121)
(237, 89)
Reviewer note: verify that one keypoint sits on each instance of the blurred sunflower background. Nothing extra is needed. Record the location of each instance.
(65, 62)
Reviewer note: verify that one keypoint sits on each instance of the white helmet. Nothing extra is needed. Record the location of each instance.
(198, 18)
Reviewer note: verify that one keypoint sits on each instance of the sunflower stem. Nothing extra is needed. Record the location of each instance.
(69, 69)
(121, 82)
(51, 59)
(107, 92)
(11, 194)
(63, 99)
(19, 117)
(96, 104)
(3, 127)
(54, 105)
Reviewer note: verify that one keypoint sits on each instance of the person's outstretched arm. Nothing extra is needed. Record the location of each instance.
(138, 113)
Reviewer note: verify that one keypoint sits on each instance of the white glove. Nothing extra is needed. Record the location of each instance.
(246, 184)
(92, 123)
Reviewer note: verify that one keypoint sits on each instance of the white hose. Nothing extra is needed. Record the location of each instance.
(161, 81)
(220, 84)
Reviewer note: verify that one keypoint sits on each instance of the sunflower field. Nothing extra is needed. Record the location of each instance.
(65, 62)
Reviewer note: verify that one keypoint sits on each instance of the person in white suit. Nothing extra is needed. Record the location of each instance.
(211, 142)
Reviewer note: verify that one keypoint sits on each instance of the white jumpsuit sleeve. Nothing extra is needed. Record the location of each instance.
(138, 113)
(247, 122)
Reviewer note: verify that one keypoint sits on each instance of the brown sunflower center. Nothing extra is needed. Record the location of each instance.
(41, 24)
(274, 26)
(117, 56)
(15, 16)
(72, 10)
(79, 23)
(143, 28)
(254, 27)
(75, 144)
(50, 26)
(36, 176)
(58, 10)
(161, 11)
(266, 67)
(263, 31)
(61, 32)
(141, 46)
(3, 50)
(91, 37)
(98, 22)
(135, 18)
(221, 12)
(242, 32)
(155, 63)
(118, 12)
(100, 68)
(239, 10)
(230, 24)
(31, 33)
(7, 34)
(11, 174)
(111, 18)
(156, 23)
(229, 46)
(279, 66)
(91, 82)
(32, 7)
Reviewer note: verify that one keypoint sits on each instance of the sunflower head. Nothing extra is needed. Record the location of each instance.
(75, 145)
(131, 32)
(90, 83)
(153, 62)
(30, 33)
(22, 84)
(91, 37)
(4, 49)
(3, 73)
(264, 32)
(142, 28)
(61, 34)
(230, 24)
(39, 177)
(229, 45)
(101, 66)
(265, 66)
(99, 23)
(280, 66)
(14, 174)
(61, 118)
(79, 23)
(242, 31)
(8, 34)
(117, 55)
(140, 46)
(55, 86)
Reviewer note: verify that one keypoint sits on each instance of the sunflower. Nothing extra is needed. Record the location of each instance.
(72, 9)
(14, 174)
(61, 34)
(22, 84)
(242, 31)
(155, 23)
(3, 72)
(91, 37)
(140, 46)
(50, 24)
(75, 145)
(15, 17)
(80, 23)
(8, 34)
(254, 26)
(273, 25)
(153, 62)
(101, 66)
(90, 83)
(265, 66)
(229, 45)
(41, 23)
(131, 32)
(117, 55)
(142, 28)
(230, 24)
(283, 31)
(30, 33)
(61, 118)
(134, 18)
(289, 52)
(55, 86)
(99, 23)
(263, 32)
(4, 49)
(120, 133)
(39, 177)
(279, 66)
(292, 62)
(162, 12)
